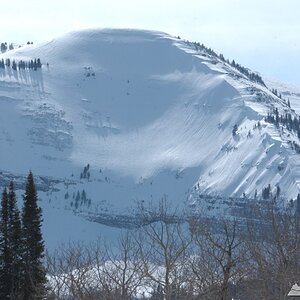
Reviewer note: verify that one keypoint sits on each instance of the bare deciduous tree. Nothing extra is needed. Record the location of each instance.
(71, 272)
(163, 247)
(275, 252)
(121, 274)
(219, 258)
(167, 258)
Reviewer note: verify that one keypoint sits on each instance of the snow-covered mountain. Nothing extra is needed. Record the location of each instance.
(117, 119)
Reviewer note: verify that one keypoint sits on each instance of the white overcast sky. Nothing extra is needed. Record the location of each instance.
(261, 34)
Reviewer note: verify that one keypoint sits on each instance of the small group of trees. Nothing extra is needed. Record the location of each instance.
(85, 174)
(291, 123)
(234, 130)
(32, 64)
(250, 75)
(22, 274)
(203, 259)
(4, 47)
(276, 93)
(80, 199)
(279, 95)
(266, 192)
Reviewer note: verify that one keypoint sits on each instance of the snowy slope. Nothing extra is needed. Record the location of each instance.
(152, 117)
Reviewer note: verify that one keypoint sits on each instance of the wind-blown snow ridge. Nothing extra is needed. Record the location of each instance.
(150, 114)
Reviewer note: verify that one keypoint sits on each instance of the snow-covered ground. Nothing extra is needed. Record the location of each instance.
(147, 116)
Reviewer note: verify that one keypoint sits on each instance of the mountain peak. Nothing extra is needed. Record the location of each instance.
(150, 114)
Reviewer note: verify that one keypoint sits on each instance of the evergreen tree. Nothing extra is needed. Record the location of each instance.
(266, 192)
(3, 47)
(83, 196)
(298, 203)
(34, 277)
(39, 64)
(14, 236)
(278, 191)
(35, 65)
(5, 278)
(14, 65)
(77, 200)
(234, 130)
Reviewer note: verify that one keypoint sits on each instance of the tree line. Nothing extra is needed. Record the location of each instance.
(22, 272)
(254, 77)
(4, 46)
(206, 259)
(32, 64)
(200, 258)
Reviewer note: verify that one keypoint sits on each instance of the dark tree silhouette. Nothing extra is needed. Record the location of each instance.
(5, 276)
(33, 252)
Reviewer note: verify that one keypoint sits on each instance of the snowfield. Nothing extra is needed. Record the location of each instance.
(123, 118)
